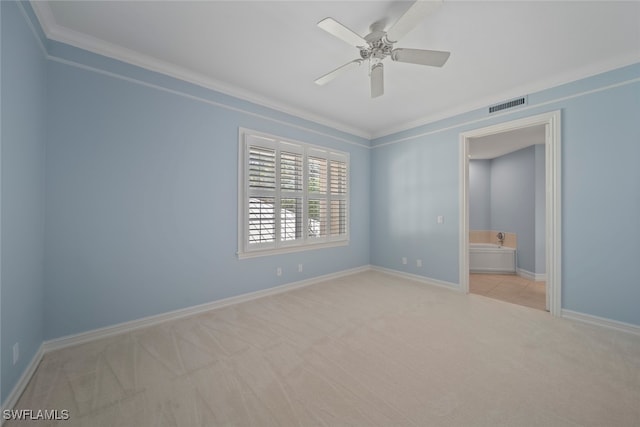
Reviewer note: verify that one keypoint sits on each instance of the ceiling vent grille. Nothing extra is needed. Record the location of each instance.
(508, 104)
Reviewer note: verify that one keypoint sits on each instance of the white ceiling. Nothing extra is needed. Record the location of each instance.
(499, 144)
(270, 52)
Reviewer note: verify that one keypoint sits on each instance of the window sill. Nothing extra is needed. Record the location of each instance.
(291, 249)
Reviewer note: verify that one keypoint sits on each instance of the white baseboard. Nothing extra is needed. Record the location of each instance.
(21, 385)
(83, 337)
(601, 321)
(95, 334)
(429, 281)
(538, 277)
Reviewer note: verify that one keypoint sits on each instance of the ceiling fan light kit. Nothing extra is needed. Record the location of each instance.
(378, 45)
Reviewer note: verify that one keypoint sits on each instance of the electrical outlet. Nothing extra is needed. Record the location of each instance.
(418, 263)
(279, 271)
(404, 260)
(299, 268)
(16, 352)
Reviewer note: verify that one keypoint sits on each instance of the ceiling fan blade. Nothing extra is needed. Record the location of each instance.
(407, 22)
(338, 30)
(335, 73)
(377, 80)
(434, 58)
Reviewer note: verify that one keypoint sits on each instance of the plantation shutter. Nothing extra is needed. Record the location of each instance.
(292, 194)
(262, 190)
(338, 195)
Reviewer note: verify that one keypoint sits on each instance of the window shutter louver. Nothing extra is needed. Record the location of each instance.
(290, 171)
(338, 188)
(295, 195)
(262, 220)
(338, 177)
(262, 168)
(317, 217)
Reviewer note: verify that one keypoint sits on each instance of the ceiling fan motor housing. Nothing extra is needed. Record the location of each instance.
(379, 46)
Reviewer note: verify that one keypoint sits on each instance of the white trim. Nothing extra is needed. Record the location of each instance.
(96, 334)
(537, 87)
(49, 26)
(505, 113)
(276, 143)
(552, 198)
(83, 337)
(601, 322)
(55, 32)
(61, 34)
(22, 383)
(290, 249)
(417, 278)
(204, 100)
(537, 277)
(25, 15)
(19, 387)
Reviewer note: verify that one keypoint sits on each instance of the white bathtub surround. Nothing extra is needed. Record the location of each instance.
(491, 236)
(491, 258)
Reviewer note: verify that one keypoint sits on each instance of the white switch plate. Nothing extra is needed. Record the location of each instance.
(279, 271)
(440, 219)
(404, 260)
(299, 268)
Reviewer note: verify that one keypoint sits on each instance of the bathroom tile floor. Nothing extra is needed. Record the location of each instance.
(509, 288)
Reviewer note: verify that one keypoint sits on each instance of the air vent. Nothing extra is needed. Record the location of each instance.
(508, 104)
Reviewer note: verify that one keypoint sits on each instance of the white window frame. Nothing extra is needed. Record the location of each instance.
(249, 137)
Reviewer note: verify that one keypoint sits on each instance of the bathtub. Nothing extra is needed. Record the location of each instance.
(490, 258)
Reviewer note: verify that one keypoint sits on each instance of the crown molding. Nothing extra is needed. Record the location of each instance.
(536, 87)
(55, 32)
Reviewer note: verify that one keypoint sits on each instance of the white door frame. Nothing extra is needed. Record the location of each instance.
(553, 216)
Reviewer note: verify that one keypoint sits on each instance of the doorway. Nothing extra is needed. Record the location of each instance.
(551, 124)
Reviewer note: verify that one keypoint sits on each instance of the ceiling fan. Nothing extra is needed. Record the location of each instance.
(378, 44)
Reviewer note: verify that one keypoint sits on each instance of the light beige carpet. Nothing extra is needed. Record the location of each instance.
(365, 350)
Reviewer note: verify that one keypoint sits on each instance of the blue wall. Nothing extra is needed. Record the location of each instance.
(142, 199)
(413, 183)
(513, 201)
(480, 194)
(133, 210)
(540, 207)
(416, 178)
(601, 204)
(23, 165)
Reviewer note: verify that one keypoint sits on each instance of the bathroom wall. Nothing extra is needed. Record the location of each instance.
(540, 211)
(480, 194)
(513, 201)
(507, 194)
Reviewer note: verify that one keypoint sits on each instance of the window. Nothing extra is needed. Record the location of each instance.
(293, 196)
